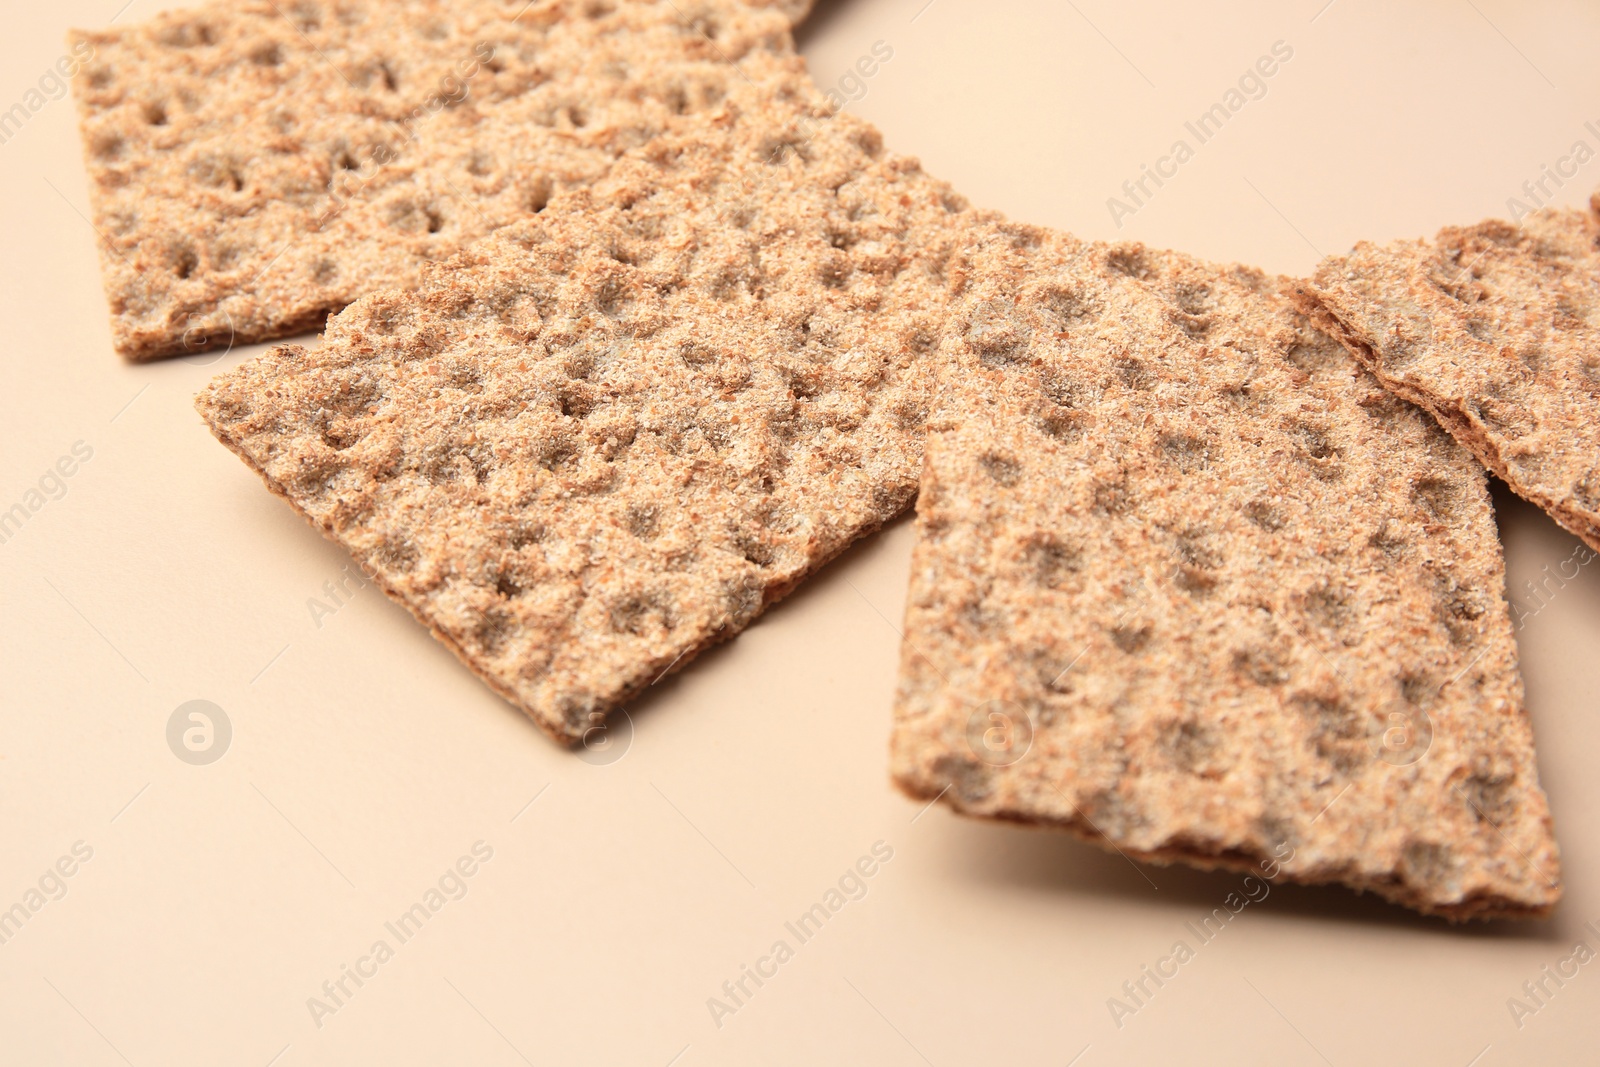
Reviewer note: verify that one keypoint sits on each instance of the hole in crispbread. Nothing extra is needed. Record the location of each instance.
(1193, 326)
(1111, 497)
(1266, 515)
(1194, 748)
(1130, 260)
(1048, 561)
(1131, 638)
(1134, 374)
(185, 261)
(187, 35)
(1426, 863)
(494, 628)
(1186, 452)
(1386, 540)
(755, 550)
(1196, 546)
(1490, 797)
(1317, 449)
(538, 195)
(1262, 664)
(1334, 732)
(306, 16)
(107, 145)
(1004, 469)
(642, 521)
(1328, 608)
(527, 533)
(1057, 422)
(642, 614)
(1065, 307)
(966, 778)
(1457, 607)
(1436, 496)
(998, 333)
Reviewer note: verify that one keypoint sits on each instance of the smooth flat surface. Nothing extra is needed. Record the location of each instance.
(365, 761)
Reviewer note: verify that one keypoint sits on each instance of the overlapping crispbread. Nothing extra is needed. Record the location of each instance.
(1189, 583)
(256, 164)
(1495, 329)
(593, 445)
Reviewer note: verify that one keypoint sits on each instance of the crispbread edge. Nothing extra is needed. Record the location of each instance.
(1485, 908)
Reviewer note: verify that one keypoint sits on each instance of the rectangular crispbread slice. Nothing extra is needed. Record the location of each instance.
(595, 444)
(1190, 584)
(1495, 329)
(257, 164)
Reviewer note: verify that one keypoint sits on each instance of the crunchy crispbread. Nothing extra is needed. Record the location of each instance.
(255, 165)
(1190, 584)
(595, 444)
(1495, 329)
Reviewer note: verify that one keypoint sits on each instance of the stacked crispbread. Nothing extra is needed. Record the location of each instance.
(589, 447)
(636, 335)
(255, 165)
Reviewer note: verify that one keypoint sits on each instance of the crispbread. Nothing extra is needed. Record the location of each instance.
(255, 165)
(595, 444)
(1190, 584)
(1495, 329)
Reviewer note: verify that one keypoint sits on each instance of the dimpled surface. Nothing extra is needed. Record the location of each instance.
(593, 445)
(1189, 583)
(1495, 329)
(256, 165)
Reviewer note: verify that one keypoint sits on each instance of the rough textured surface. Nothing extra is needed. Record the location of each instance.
(1495, 329)
(255, 165)
(593, 445)
(1190, 583)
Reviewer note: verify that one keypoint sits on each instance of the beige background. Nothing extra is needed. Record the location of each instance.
(365, 760)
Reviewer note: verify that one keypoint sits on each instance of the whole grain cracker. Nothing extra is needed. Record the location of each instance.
(1190, 584)
(1495, 329)
(594, 445)
(255, 165)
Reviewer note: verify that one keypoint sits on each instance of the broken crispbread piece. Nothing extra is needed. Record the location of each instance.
(594, 445)
(255, 165)
(1190, 584)
(1495, 329)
